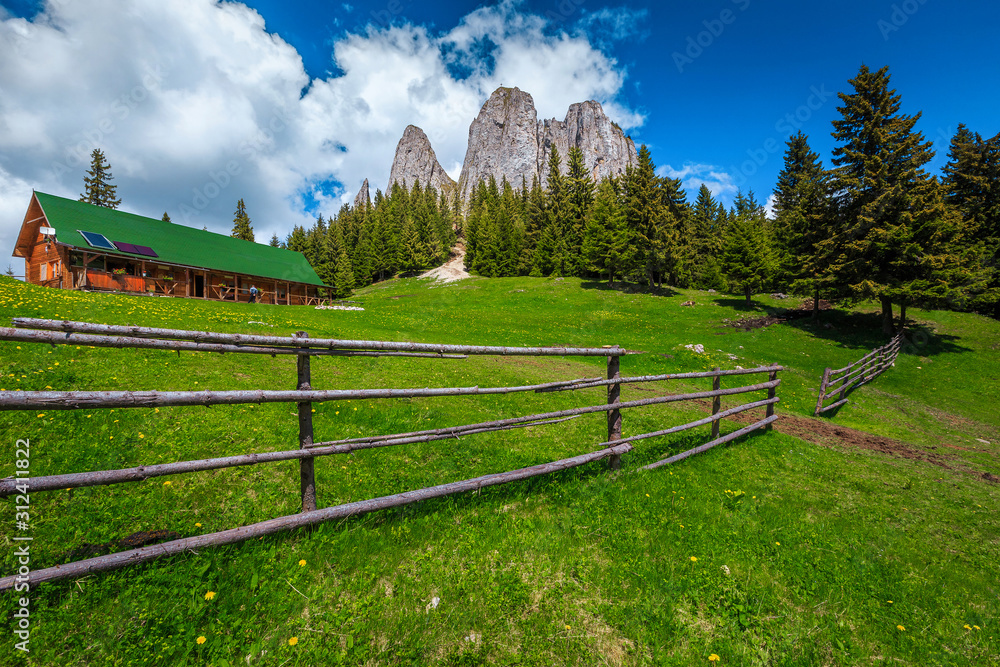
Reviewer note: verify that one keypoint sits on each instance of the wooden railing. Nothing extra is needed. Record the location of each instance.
(304, 348)
(844, 380)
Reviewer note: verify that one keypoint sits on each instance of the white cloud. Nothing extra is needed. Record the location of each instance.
(196, 105)
(721, 184)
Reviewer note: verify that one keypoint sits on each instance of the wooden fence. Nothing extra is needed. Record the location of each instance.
(842, 381)
(98, 335)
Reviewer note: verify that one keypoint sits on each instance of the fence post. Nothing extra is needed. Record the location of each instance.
(822, 390)
(716, 403)
(614, 416)
(307, 475)
(771, 393)
(843, 384)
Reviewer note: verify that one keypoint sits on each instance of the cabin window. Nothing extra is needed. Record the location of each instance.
(43, 271)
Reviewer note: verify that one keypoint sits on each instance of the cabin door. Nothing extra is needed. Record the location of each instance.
(199, 286)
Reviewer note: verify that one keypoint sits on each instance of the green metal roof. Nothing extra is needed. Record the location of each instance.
(174, 244)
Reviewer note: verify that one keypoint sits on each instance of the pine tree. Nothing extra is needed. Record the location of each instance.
(343, 277)
(648, 216)
(241, 223)
(579, 198)
(275, 242)
(746, 255)
(97, 183)
(883, 196)
(166, 217)
(552, 253)
(801, 220)
(972, 187)
(607, 244)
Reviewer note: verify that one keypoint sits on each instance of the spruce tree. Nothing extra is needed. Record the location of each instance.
(579, 198)
(801, 220)
(883, 196)
(746, 254)
(166, 217)
(607, 244)
(275, 242)
(97, 183)
(647, 215)
(241, 223)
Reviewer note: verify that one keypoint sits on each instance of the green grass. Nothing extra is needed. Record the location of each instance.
(771, 551)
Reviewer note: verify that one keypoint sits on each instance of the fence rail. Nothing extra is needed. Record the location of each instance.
(842, 381)
(64, 332)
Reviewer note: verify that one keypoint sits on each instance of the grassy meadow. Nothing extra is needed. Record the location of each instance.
(877, 542)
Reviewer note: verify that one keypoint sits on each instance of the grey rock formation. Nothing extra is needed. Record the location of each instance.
(363, 198)
(606, 149)
(508, 141)
(503, 141)
(415, 160)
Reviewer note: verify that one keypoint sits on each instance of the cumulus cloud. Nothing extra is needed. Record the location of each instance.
(720, 183)
(196, 104)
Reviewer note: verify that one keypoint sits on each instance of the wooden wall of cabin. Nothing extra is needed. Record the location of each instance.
(45, 264)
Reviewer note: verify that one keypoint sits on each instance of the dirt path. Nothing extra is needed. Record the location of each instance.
(452, 270)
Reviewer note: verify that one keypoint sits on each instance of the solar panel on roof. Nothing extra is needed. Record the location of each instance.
(126, 247)
(145, 250)
(97, 240)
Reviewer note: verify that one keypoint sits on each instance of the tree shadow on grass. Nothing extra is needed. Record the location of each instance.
(863, 331)
(740, 304)
(628, 288)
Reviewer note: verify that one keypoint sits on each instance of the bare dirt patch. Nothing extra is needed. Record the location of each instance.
(804, 310)
(452, 270)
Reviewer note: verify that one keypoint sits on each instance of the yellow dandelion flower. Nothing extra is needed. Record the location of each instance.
(200, 640)
(714, 658)
(209, 595)
(967, 626)
(167, 483)
(302, 563)
(41, 415)
(292, 641)
(977, 627)
(694, 559)
(778, 543)
(197, 525)
(901, 628)
(141, 435)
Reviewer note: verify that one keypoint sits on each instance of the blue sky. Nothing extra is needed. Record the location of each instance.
(291, 105)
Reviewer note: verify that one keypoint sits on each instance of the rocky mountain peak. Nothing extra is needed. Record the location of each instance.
(415, 161)
(363, 198)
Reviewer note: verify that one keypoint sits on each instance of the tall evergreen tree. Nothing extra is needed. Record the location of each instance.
(241, 223)
(801, 220)
(97, 183)
(884, 198)
(746, 254)
(579, 198)
(275, 241)
(607, 244)
(972, 188)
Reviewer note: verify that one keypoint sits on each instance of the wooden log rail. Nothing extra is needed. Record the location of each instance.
(842, 381)
(306, 450)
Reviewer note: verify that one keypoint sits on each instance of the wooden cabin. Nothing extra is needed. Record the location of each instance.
(74, 245)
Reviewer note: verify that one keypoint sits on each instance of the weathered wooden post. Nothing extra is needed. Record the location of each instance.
(614, 416)
(307, 475)
(716, 403)
(771, 393)
(843, 383)
(822, 391)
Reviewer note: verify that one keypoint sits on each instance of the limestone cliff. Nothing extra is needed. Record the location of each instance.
(415, 160)
(508, 140)
(503, 141)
